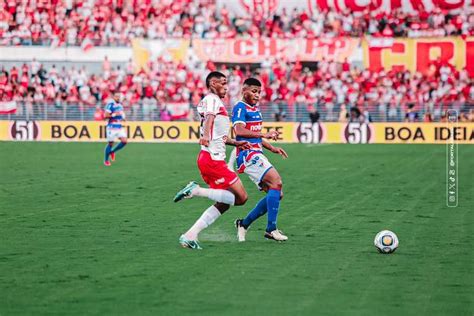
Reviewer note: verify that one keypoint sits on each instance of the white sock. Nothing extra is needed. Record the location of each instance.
(207, 218)
(218, 195)
(233, 156)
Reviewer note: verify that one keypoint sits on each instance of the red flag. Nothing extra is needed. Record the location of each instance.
(8, 107)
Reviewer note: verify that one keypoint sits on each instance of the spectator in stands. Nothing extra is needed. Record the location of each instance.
(313, 114)
(411, 115)
(355, 115)
(343, 115)
(428, 117)
(165, 115)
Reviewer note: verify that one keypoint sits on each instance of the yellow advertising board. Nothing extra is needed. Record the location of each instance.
(422, 133)
(391, 133)
(90, 131)
(188, 132)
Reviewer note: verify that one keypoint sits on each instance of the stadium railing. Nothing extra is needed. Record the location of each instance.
(279, 111)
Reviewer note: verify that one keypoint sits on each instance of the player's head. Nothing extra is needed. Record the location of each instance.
(251, 91)
(216, 82)
(117, 97)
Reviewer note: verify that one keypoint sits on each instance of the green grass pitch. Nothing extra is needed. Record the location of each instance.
(79, 238)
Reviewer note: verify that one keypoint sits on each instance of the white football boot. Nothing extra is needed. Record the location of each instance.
(276, 235)
(186, 192)
(241, 231)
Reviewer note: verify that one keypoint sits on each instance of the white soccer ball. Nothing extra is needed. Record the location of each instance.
(386, 241)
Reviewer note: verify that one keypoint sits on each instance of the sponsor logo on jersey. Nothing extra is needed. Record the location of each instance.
(256, 128)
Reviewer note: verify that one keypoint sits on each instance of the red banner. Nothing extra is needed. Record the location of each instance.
(269, 7)
(257, 50)
(388, 5)
(418, 54)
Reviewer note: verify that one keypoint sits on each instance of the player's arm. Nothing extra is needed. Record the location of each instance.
(206, 129)
(242, 145)
(107, 114)
(274, 149)
(240, 130)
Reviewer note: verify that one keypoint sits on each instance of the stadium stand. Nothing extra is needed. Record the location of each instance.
(116, 23)
(169, 90)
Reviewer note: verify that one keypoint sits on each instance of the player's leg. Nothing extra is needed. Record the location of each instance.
(234, 195)
(108, 150)
(224, 184)
(123, 142)
(257, 167)
(272, 181)
(232, 158)
(193, 189)
(237, 188)
(207, 218)
(111, 135)
(243, 225)
(267, 178)
(259, 210)
(210, 215)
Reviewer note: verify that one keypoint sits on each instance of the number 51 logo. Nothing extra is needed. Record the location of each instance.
(310, 133)
(357, 133)
(24, 130)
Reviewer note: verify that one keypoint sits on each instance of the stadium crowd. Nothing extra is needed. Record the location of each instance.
(168, 90)
(117, 22)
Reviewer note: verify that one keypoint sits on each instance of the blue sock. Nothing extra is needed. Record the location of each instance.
(273, 204)
(259, 210)
(119, 146)
(108, 150)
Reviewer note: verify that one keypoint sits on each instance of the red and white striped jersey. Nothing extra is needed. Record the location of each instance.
(212, 104)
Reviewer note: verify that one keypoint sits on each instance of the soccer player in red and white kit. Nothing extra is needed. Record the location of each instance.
(225, 186)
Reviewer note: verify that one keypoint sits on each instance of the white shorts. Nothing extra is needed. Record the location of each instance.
(256, 168)
(114, 133)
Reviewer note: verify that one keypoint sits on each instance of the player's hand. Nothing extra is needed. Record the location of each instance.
(243, 145)
(272, 135)
(280, 151)
(204, 141)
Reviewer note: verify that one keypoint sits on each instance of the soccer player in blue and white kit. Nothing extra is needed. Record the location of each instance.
(115, 115)
(247, 124)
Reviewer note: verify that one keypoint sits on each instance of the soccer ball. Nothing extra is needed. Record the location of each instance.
(386, 241)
